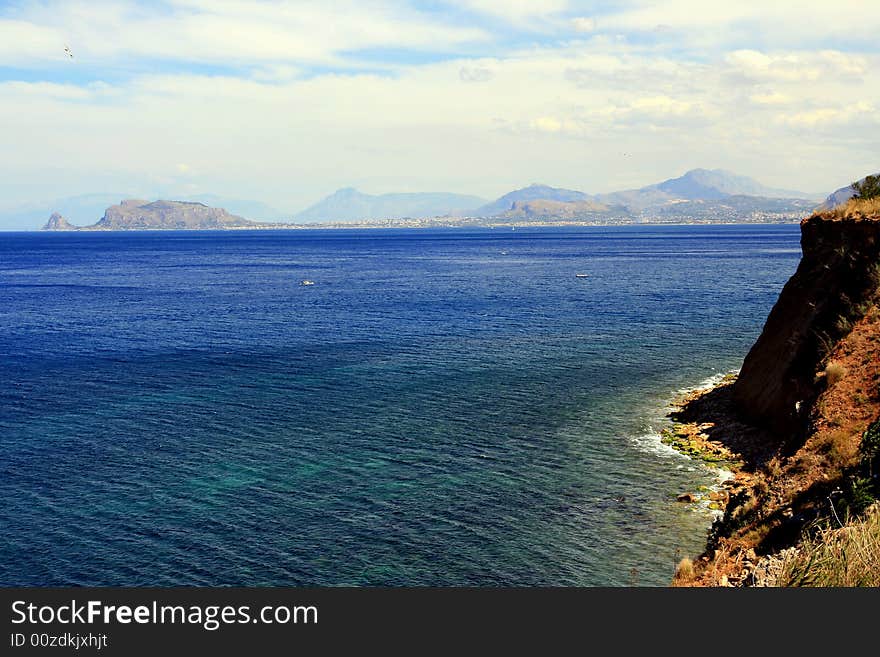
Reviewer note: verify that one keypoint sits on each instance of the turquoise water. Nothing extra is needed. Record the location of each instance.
(449, 407)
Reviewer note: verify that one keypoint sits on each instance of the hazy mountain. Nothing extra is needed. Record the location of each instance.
(533, 192)
(840, 196)
(544, 210)
(700, 185)
(716, 183)
(351, 205)
(700, 192)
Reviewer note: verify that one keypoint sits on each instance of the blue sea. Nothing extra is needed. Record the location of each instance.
(441, 407)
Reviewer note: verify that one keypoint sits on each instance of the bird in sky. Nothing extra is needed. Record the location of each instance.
(68, 52)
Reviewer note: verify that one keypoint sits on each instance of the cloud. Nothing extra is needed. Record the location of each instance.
(547, 124)
(516, 11)
(226, 32)
(474, 74)
(721, 25)
(842, 114)
(795, 67)
(660, 106)
(583, 24)
(311, 97)
(23, 41)
(770, 98)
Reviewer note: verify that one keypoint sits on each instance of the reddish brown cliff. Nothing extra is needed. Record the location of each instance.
(832, 289)
(803, 417)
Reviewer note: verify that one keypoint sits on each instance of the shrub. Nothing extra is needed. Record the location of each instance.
(834, 372)
(684, 571)
(869, 448)
(868, 188)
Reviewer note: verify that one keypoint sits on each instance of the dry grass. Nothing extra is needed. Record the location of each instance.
(684, 571)
(835, 372)
(847, 556)
(836, 445)
(856, 207)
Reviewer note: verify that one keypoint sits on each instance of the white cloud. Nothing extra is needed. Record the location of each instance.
(770, 98)
(275, 128)
(23, 41)
(223, 32)
(583, 24)
(516, 10)
(823, 116)
(722, 24)
(795, 67)
(475, 74)
(661, 106)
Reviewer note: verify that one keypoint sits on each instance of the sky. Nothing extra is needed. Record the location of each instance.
(285, 102)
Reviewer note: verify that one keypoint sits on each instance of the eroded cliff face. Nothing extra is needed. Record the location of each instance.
(834, 287)
(798, 414)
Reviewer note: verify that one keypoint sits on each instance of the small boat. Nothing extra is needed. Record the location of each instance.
(581, 275)
(307, 282)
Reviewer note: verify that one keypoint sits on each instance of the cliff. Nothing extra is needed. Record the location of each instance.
(803, 417)
(833, 288)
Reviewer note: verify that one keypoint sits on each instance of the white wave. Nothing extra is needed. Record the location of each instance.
(706, 384)
(652, 443)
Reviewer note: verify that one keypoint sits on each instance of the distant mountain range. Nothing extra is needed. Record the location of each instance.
(349, 204)
(718, 192)
(701, 185)
(700, 194)
(716, 183)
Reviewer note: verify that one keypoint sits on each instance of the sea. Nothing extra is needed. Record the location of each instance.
(441, 407)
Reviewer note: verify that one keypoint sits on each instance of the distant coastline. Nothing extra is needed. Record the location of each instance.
(700, 196)
(438, 223)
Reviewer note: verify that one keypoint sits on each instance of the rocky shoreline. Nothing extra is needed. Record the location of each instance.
(706, 429)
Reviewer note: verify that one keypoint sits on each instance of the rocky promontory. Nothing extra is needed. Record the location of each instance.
(135, 214)
(803, 416)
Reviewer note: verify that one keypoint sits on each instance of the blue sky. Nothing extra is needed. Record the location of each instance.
(286, 101)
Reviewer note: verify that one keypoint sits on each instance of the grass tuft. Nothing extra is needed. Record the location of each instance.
(856, 207)
(846, 556)
(684, 571)
(835, 372)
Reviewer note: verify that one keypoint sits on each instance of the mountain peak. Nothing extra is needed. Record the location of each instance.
(534, 192)
(715, 184)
